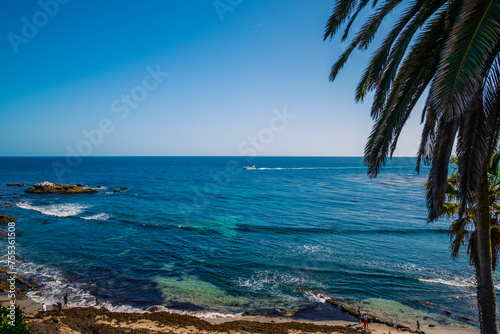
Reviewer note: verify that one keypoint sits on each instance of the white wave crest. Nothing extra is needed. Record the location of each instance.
(99, 216)
(314, 296)
(58, 210)
(463, 283)
(198, 314)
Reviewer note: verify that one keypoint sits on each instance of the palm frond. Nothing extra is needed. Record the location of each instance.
(379, 61)
(340, 13)
(472, 147)
(467, 57)
(412, 79)
(491, 98)
(436, 189)
(459, 235)
(363, 37)
(361, 5)
(392, 66)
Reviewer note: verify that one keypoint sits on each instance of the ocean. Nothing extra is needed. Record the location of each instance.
(202, 236)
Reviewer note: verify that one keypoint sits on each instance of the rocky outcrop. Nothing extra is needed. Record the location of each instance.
(54, 188)
(5, 286)
(349, 309)
(17, 184)
(6, 219)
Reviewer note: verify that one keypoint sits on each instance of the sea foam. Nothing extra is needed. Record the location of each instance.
(58, 210)
(99, 216)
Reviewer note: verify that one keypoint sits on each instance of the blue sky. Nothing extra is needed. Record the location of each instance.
(231, 70)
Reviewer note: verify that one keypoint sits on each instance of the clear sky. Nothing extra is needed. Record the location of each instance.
(91, 77)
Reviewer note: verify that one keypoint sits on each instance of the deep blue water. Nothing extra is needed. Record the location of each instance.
(203, 235)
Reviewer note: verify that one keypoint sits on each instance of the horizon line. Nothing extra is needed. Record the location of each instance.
(197, 156)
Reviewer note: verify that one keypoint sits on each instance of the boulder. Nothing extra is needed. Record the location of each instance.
(124, 188)
(54, 188)
(81, 185)
(17, 184)
(117, 190)
(6, 219)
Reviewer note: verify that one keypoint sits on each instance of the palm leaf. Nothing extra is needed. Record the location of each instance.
(472, 148)
(340, 13)
(467, 56)
(436, 188)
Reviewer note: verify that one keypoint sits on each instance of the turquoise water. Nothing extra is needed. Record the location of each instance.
(202, 235)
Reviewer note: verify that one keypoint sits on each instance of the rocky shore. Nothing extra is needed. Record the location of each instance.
(54, 188)
(91, 320)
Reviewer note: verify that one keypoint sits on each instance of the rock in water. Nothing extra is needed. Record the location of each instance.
(54, 188)
(17, 184)
(6, 219)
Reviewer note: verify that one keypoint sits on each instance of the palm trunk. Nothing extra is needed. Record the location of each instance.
(486, 300)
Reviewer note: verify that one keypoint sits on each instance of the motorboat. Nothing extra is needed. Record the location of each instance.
(251, 167)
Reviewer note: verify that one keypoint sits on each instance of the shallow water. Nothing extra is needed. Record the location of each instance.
(200, 234)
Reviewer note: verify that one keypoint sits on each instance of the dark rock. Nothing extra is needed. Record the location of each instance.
(80, 185)
(19, 280)
(117, 190)
(17, 184)
(6, 205)
(124, 188)
(100, 187)
(6, 219)
(4, 286)
(54, 188)
(334, 302)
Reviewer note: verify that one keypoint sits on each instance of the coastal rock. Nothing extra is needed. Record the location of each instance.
(4, 286)
(17, 184)
(54, 188)
(117, 190)
(81, 185)
(124, 188)
(6, 219)
(6, 205)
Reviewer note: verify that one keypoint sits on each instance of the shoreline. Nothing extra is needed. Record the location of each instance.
(77, 319)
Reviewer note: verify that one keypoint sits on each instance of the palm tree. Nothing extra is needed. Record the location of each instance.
(462, 230)
(449, 50)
